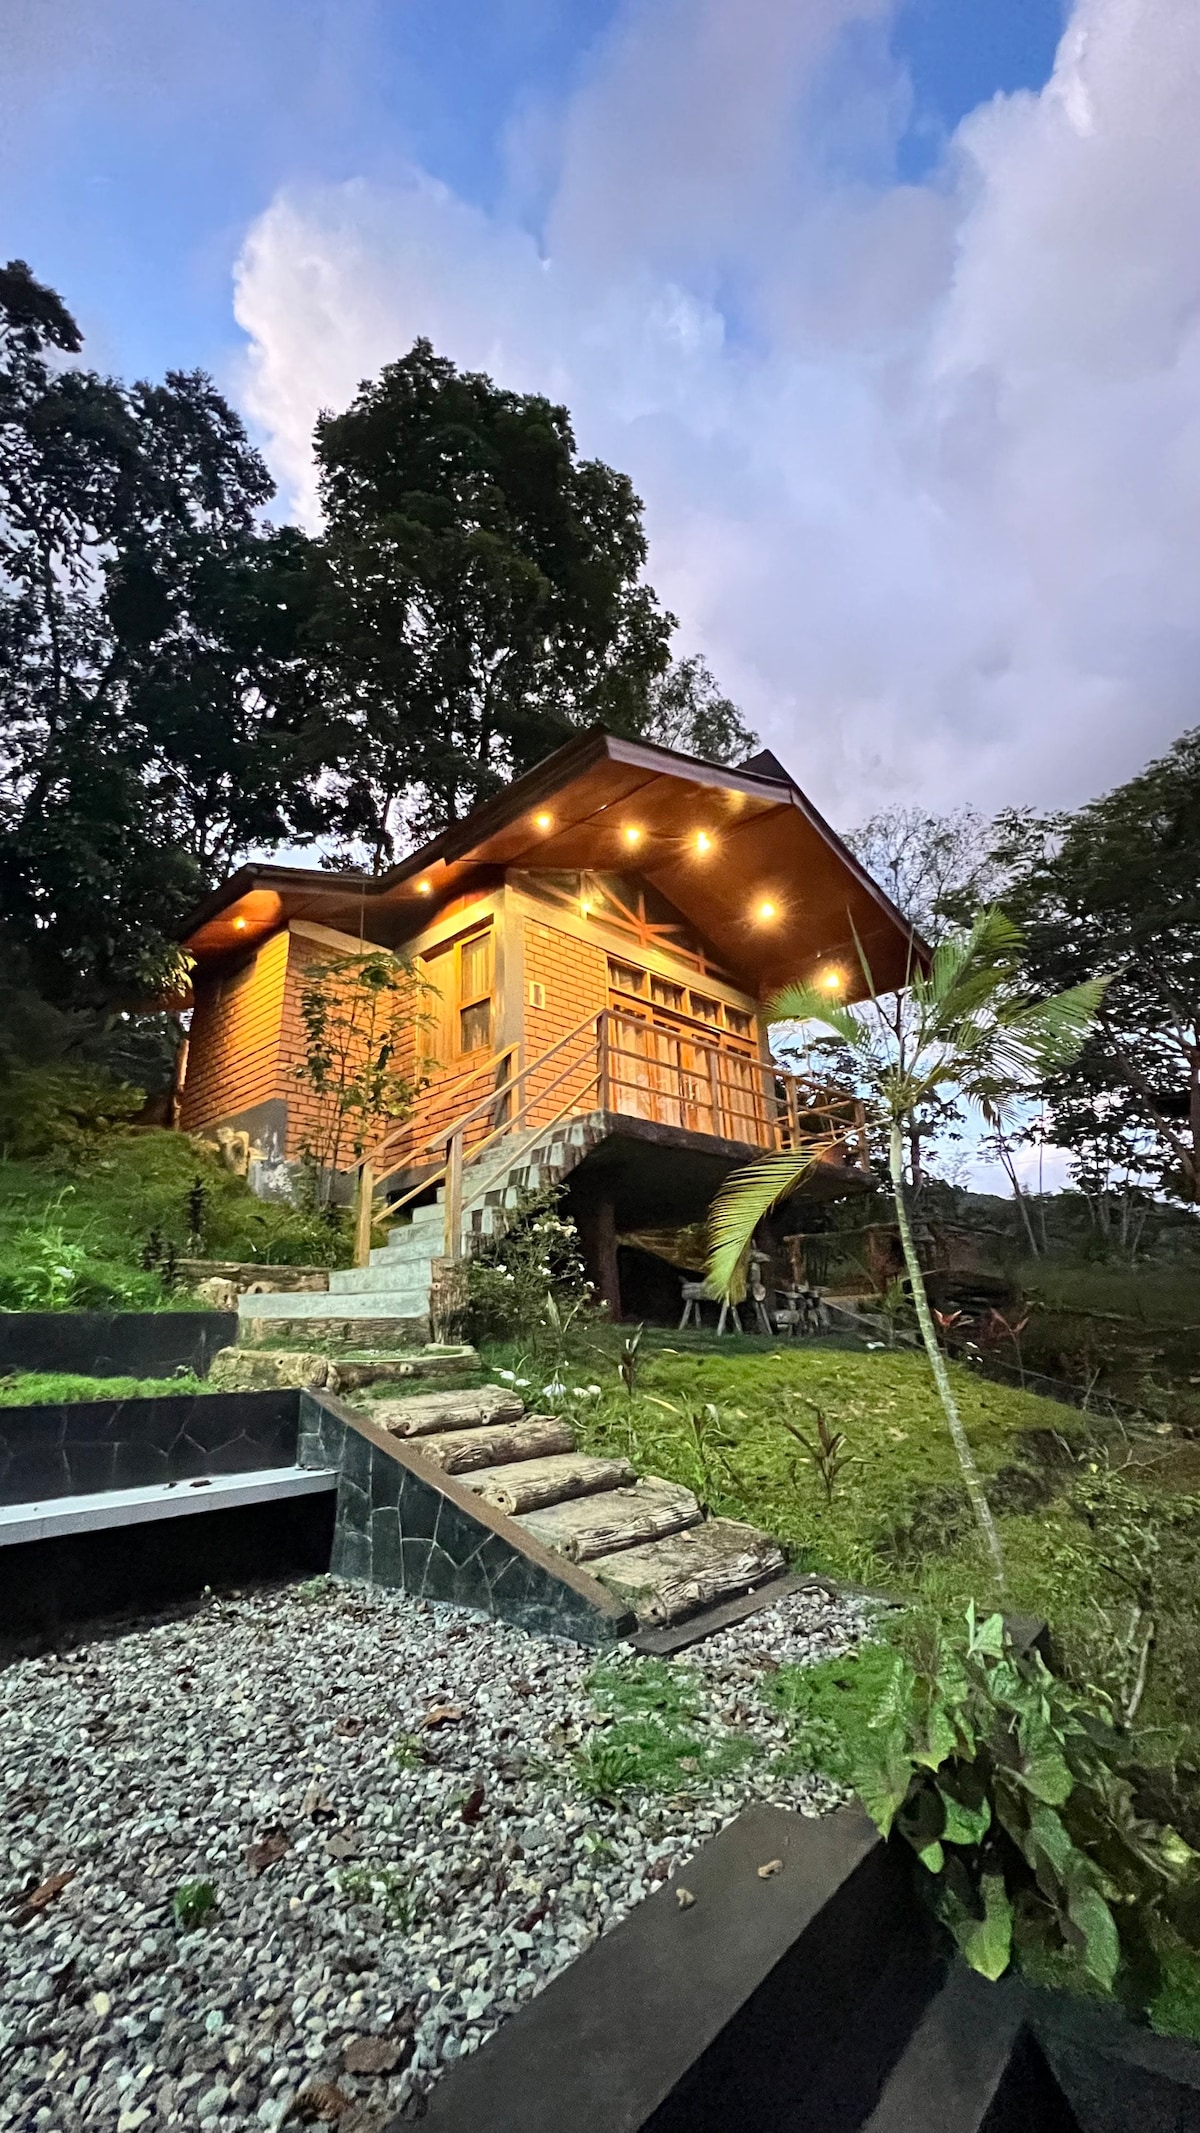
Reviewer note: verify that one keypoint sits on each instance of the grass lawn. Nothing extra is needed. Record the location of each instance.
(1091, 1516)
(76, 1233)
(45, 1388)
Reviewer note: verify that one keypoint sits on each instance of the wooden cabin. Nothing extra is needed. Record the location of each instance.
(600, 941)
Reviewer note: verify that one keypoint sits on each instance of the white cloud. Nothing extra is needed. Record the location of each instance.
(921, 464)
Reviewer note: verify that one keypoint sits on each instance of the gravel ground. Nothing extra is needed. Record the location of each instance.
(379, 1793)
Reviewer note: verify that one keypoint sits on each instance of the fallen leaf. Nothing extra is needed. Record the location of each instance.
(442, 1714)
(472, 1806)
(535, 1916)
(321, 2101)
(348, 1728)
(773, 1866)
(341, 1843)
(272, 1845)
(27, 1907)
(685, 1899)
(378, 2055)
(316, 1803)
(525, 1688)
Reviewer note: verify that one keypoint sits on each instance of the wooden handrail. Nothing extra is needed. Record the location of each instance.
(435, 1089)
(771, 1104)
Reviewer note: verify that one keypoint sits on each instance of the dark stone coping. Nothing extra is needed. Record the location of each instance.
(76, 1448)
(115, 1344)
(404, 1523)
(615, 2041)
(820, 1999)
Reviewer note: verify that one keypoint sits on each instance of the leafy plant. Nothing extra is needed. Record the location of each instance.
(1009, 1785)
(656, 1739)
(191, 1903)
(826, 1450)
(629, 1361)
(386, 1888)
(711, 1440)
(361, 1015)
(965, 1024)
(529, 1282)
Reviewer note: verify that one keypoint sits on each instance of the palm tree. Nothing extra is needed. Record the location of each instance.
(965, 1022)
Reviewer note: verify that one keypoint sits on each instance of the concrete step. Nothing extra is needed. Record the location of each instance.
(591, 1526)
(462, 1451)
(404, 1276)
(528, 1484)
(409, 1302)
(668, 1579)
(428, 1413)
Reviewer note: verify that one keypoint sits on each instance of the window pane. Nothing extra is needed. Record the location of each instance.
(705, 1010)
(665, 994)
(475, 1025)
(476, 968)
(624, 978)
(736, 1021)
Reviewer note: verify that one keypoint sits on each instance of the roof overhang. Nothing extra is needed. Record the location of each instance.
(743, 856)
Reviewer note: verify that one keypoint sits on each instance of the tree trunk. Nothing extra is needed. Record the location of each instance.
(937, 1361)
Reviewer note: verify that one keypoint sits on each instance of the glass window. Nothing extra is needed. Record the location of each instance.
(737, 1023)
(623, 977)
(706, 1010)
(475, 970)
(664, 994)
(475, 1027)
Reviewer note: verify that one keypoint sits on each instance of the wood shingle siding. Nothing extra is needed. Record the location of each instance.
(233, 1056)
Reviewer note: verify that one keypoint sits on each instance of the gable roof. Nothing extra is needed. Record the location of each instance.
(741, 853)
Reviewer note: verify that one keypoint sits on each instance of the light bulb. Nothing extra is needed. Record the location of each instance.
(766, 910)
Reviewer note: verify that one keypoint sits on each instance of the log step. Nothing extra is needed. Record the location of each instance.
(532, 1483)
(430, 1412)
(621, 1518)
(463, 1451)
(665, 1580)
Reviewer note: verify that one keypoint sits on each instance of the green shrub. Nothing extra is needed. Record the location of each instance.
(62, 1111)
(529, 1283)
(1011, 1786)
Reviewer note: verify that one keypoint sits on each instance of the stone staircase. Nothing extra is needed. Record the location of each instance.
(645, 1540)
(387, 1303)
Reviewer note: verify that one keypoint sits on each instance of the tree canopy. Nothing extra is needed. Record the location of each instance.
(184, 684)
(1116, 886)
(487, 600)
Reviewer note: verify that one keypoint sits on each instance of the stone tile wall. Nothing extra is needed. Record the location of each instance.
(395, 1528)
(74, 1448)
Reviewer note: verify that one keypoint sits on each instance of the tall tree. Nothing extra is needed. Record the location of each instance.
(1118, 884)
(968, 1024)
(488, 599)
(160, 708)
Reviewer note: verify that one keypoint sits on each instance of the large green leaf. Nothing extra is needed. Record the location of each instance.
(985, 1942)
(1090, 1914)
(941, 1740)
(964, 1825)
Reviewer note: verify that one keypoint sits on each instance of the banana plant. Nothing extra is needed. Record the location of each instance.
(963, 1022)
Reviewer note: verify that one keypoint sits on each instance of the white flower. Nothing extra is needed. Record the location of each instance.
(592, 1391)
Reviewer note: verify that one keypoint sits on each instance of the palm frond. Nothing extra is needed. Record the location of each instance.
(740, 1205)
(804, 1003)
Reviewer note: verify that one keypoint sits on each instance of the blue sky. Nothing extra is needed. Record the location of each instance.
(890, 308)
(144, 139)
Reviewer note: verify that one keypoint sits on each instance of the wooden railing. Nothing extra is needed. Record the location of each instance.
(614, 1061)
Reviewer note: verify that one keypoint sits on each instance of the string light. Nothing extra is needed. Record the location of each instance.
(832, 981)
(633, 836)
(424, 888)
(766, 910)
(703, 841)
(239, 925)
(543, 822)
